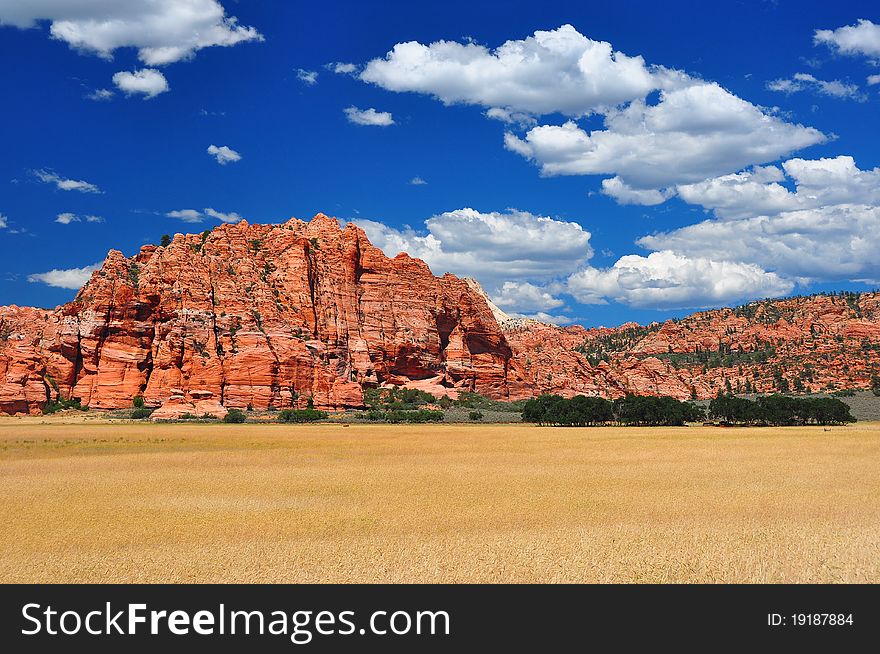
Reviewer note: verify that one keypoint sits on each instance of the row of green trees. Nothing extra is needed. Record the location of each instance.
(636, 410)
(780, 410)
(639, 410)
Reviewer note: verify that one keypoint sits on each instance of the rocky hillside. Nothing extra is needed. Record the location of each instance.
(270, 315)
(804, 344)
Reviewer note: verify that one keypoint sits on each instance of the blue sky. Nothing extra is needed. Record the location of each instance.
(690, 127)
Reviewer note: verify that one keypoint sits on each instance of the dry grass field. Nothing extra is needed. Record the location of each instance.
(92, 502)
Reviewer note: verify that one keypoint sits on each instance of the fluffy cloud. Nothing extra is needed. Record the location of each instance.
(873, 80)
(661, 127)
(832, 243)
(823, 230)
(417, 181)
(64, 184)
(148, 82)
(71, 278)
(806, 82)
(625, 194)
(491, 247)
(741, 194)
(818, 183)
(194, 216)
(863, 38)
(669, 280)
(3, 221)
(369, 117)
(523, 296)
(163, 31)
(223, 154)
(552, 71)
(309, 77)
(694, 132)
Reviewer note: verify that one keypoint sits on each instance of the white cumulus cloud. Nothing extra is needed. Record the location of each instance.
(552, 71)
(162, 31)
(148, 82)
(696, 131)
(863, 38)
(369, 117)
(668, 280)
(492, 247)
(223, 154)
(823, 230)
(832, 243)
(659, 127)
(625, 194)
(818, 183)
(4, 221)
(523, 296)
(71, 278)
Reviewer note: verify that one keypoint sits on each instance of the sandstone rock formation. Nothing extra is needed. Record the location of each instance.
(265, 315)
(270, 315)
(805, 344)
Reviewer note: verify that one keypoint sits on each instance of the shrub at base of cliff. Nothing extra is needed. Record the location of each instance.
(634, 410)
(235, 416)
(301, 415)
(476, 416)
(60, 404)
(420, 416)
(140, 413)
(396, 399)
(780, 410)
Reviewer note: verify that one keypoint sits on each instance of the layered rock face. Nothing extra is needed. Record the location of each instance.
(270, 315)
(257, 315)
(803, 344)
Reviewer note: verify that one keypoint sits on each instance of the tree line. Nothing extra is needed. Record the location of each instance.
(652, 411)
(780, 410)
(636, 410)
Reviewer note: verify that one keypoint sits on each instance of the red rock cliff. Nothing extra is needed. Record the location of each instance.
(256, 314)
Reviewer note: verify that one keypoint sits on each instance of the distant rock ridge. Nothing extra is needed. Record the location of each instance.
(271, 315)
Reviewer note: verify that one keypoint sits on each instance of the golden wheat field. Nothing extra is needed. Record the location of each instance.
(91, 502)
